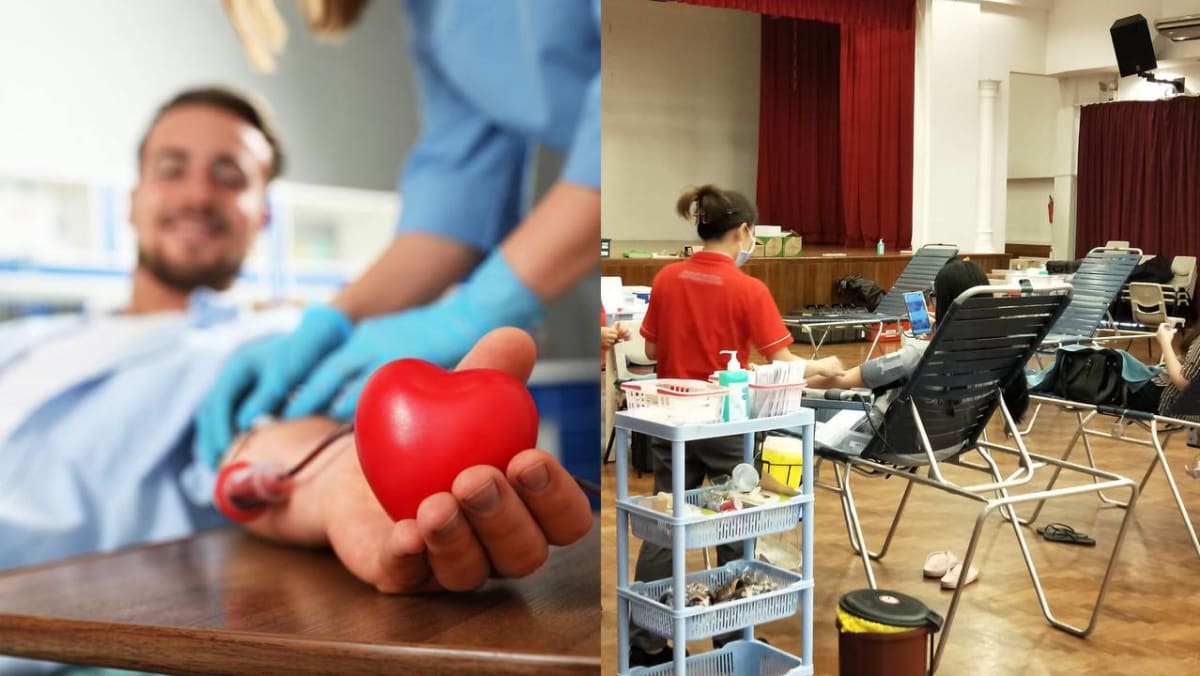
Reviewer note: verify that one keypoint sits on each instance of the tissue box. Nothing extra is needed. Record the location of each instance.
(792, 245)
(773, 246)
(784, 245)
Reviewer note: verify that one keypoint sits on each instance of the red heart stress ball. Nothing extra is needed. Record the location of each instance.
(417, 427)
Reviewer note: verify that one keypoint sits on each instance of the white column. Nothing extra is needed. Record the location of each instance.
(922, 140)
(984, 241)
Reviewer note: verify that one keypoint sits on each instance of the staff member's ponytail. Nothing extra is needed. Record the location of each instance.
(715, 211)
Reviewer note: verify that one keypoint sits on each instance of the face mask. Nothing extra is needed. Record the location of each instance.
(744, 256)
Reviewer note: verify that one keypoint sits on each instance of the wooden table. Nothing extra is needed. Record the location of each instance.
(224, 602)
(800, 281)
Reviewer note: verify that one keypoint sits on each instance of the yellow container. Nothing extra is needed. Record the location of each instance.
(783, 458)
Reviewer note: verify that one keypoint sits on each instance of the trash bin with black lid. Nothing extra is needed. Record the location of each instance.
(884, 633)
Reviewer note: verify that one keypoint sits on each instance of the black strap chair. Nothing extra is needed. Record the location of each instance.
(981, 344)
(1097, 284)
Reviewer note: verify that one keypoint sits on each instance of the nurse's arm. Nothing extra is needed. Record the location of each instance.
(782, 354)
(651, 350)
(819, 373)
(549, 251)
(553, 248)
(848, 379)
(415, 269)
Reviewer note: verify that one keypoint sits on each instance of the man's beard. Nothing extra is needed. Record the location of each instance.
(218, 276)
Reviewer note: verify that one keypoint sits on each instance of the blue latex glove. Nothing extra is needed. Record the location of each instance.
(441, 333)
(256, 379)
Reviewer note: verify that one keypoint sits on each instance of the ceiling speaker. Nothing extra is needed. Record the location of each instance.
(1131, 42)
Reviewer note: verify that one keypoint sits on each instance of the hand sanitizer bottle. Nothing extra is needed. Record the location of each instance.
(737, 380)
(879, 247)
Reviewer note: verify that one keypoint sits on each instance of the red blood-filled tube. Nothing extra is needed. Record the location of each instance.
(245, 490)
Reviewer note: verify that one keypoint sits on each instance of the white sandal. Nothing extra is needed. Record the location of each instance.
(937, 564)
(950, 581)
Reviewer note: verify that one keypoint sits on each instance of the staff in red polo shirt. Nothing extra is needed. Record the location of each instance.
(699, 307)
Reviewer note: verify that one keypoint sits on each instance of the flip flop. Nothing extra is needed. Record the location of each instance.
(937, 564)
(950, 580)
(1061, 532)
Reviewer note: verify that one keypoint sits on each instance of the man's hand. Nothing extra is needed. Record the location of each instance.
(827, 367)
(490, 523)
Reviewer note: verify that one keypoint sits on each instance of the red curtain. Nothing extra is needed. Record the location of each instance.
(1139, 176)
(799, 158)
(835, 127)
(860, 13)
(877, 134)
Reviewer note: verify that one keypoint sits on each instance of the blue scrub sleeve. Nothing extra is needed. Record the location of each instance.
(465, 177)
(583, 157)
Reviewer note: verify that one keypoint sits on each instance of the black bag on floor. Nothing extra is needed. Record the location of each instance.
(856, 290)
(1063, 267)
(1090, 376)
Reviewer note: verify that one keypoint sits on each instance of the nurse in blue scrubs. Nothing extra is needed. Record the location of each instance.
(496, 80)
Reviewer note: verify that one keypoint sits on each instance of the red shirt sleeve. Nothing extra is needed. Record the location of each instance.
(767, 330)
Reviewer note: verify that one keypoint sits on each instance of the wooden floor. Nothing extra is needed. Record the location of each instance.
(1150, 623)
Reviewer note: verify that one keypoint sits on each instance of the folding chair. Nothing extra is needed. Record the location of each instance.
(980, 344)
(1149, 307)
(1159, 430)
(1183, 284)
(918, 275)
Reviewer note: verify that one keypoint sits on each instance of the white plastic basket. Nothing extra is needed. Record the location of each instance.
(676, 401)
(737, 658)
(647, 612)
(767, 401)
(715, 529)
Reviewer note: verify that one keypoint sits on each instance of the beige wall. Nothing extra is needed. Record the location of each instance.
(680, 107)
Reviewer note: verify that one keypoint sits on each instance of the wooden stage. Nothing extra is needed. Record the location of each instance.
(803, 280)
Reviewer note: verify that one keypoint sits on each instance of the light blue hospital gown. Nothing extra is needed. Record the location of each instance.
(107, 462)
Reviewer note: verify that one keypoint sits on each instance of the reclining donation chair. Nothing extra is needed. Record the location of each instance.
(1096, 284)
(982, 343)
